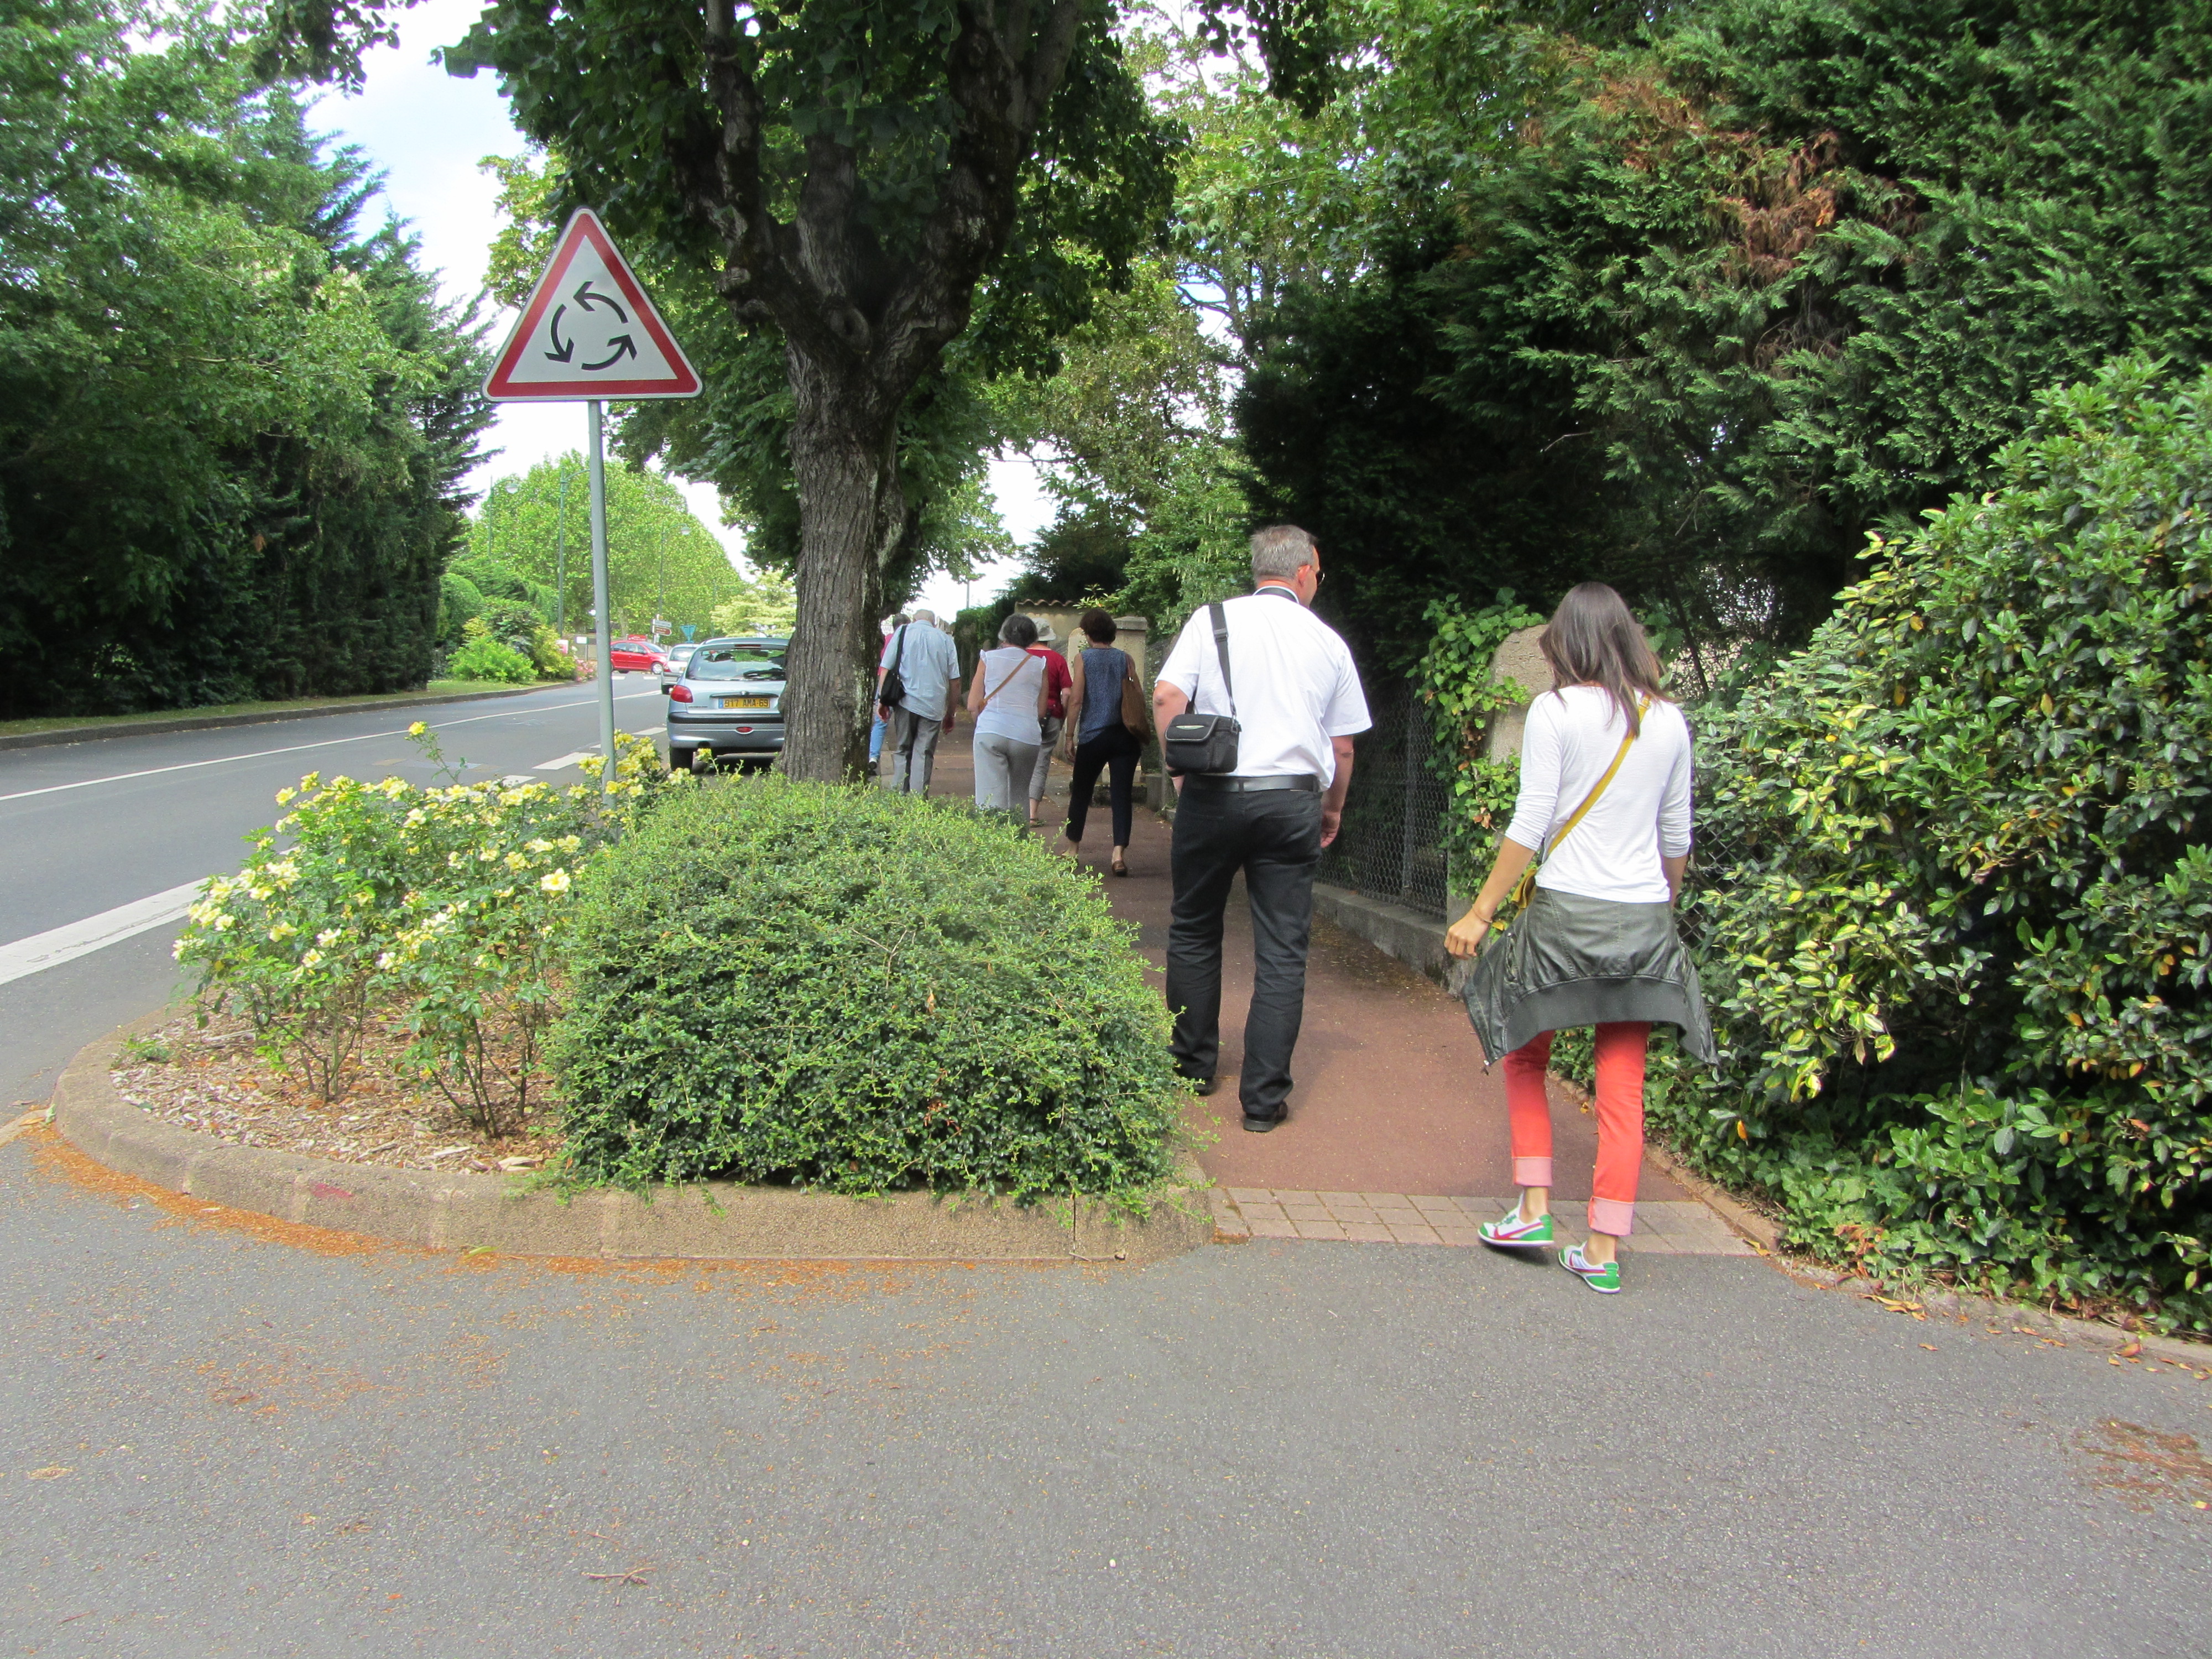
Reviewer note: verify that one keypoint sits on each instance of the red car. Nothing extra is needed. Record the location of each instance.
(635, 655)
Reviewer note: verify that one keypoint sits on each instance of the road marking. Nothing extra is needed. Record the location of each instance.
(66, 943)
(293, 749)
(566, 760)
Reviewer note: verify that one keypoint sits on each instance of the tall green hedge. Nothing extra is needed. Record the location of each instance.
(234, 419)
(1958, 951)
(858, 991)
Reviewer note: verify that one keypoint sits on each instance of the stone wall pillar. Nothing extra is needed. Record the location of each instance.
(1519, 658)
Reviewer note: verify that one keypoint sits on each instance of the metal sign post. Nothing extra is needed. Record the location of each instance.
(588, 333)
(606, 660)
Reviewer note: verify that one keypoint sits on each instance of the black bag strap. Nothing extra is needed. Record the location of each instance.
(1221, 651)
(898, 651)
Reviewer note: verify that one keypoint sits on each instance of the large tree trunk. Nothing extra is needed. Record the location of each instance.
(848, 490)
(861, 328)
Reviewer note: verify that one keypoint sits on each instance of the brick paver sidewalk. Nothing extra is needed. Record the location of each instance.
(1393, 1117)
(1668, 1227)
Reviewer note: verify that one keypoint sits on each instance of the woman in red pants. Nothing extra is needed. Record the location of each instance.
(1605, 801)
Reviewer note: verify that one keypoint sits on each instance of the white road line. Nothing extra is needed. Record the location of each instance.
(66, 943)
(297, 748)
(566, 760)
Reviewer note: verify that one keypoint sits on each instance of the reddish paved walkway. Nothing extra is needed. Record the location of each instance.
(1391, 1095)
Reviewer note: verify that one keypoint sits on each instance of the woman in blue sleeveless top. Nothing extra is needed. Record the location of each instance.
(1097, 739)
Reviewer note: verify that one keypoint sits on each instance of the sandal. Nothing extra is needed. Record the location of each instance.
(1118, 868)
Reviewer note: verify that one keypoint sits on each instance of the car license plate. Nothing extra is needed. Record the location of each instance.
(742, 702)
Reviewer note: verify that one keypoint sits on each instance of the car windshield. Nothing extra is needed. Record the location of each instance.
(734, 662)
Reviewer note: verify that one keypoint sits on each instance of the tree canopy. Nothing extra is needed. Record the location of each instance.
(662, 560)
(865, 185)
(1689, 306)
(232, 422)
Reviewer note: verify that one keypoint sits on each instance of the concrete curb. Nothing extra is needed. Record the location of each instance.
(1935, 1299)
(1415, 939)
(215, 722)
(1937, 1302)
(717, 1221)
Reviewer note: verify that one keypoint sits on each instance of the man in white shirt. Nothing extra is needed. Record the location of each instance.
(928, 663)
(1293, 691)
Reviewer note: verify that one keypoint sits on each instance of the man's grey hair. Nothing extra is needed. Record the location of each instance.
(929, 616)
(1279, 550)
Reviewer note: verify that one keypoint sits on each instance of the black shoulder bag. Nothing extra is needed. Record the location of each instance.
(892, 692)
(1206, 744)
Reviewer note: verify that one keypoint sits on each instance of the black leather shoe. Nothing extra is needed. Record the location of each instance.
(1259, 1126)
(1204, 1085)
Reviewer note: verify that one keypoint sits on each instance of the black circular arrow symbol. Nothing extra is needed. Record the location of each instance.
(566, 348)
(584, 297)
(620, 347)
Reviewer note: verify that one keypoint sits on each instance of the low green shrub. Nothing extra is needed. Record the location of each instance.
(1959, 964)
(483, 658)
(857, 990)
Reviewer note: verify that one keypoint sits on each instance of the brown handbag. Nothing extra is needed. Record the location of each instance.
(1136, 708)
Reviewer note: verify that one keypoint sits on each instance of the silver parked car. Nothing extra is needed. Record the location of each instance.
(672, 670)
(729, 702)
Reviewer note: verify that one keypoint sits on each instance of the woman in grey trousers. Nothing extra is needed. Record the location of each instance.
(1008, 697)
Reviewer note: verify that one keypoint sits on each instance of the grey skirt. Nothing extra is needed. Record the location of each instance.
(1568, 961)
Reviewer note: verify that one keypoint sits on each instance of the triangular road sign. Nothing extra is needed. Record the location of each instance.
(589, 332)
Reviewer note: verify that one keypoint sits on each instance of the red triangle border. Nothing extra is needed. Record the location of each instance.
(584, 226)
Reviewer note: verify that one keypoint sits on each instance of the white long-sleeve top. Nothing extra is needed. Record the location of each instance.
(1571, 736)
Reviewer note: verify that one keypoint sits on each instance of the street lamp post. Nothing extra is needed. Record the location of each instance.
(561, 556)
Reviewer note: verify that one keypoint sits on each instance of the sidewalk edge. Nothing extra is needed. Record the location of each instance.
(215, 722)
(1935, 1299)
(714, 1221)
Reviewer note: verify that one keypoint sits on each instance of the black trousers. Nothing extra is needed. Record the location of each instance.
(1274, 838)
(1113, 751)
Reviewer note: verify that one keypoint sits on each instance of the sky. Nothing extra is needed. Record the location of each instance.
(426, 131)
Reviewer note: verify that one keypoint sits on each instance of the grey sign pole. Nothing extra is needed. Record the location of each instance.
(599, 599)
(561, 559)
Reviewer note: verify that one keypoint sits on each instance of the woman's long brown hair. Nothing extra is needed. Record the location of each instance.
(1593, 640)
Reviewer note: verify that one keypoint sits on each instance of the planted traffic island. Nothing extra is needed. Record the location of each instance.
(752, 1019)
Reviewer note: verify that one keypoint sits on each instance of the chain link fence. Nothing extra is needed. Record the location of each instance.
(1390, 846)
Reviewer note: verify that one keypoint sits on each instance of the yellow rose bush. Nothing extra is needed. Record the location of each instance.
(438, 908)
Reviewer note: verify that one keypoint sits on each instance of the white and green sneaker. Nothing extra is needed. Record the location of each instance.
(1605, 1279)
(1510, 1232)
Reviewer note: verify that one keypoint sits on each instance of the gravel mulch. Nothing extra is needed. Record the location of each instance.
(209, 1078)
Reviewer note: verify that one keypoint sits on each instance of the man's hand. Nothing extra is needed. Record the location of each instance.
(1465, 937)
(1331, 819)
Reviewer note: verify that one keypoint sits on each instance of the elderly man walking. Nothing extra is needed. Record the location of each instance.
(928, 663)
(1288, 681)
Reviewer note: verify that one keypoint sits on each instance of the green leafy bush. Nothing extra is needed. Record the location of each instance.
(857, 990)
(483, 658)
(1959, 962)
(440, 906)
(1452, 679)
(293, 939)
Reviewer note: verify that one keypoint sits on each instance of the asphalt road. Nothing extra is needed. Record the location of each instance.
(226, 1439)
(86, 826)
(1297, 1448)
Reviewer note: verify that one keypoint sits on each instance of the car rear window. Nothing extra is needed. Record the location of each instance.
(733, 662)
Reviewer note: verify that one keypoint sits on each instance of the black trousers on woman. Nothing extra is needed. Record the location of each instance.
(1113, 751)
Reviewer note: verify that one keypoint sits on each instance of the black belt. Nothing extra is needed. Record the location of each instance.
(1234, 785)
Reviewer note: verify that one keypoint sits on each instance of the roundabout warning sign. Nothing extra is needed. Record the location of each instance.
(588, 332)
